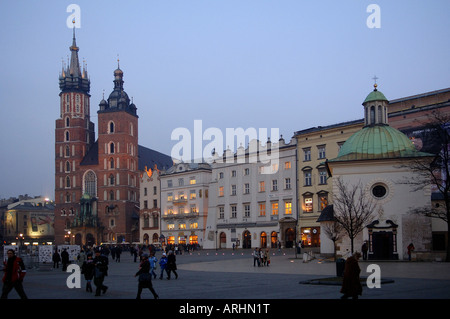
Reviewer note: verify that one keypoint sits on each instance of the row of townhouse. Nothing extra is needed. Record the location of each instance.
(245, 202)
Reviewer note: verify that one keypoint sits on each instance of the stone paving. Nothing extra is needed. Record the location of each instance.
(227, 274)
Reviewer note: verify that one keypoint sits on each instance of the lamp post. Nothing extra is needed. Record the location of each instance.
(216, 239)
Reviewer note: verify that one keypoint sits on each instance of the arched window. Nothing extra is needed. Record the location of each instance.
(111, 127)
(111, 148)
(111, 195)
(67, 136)
(111, 163)
(111, 179)
(67, 121)
(380, 114)
(67, 166)
(90, 183)
(67, 181)
(372, 115)
(67, 150)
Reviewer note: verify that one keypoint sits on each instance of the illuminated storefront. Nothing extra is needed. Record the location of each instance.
(310, 236)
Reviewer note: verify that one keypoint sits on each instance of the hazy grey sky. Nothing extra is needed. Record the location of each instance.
(287, 64)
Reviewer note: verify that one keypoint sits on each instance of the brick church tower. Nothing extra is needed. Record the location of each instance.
(74, 137)
(96, 182)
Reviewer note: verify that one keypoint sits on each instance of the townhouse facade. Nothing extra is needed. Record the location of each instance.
(252, 200)
(184, 203)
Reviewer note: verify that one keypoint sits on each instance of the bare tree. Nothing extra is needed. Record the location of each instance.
(353, 208)
(333, 230)
(434, 170)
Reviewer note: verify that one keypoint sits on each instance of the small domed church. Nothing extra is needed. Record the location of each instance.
(376, 158)
(97, 180)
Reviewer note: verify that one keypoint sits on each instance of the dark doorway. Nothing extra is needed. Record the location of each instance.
(382, 245)
(247, 239)
(290, 238)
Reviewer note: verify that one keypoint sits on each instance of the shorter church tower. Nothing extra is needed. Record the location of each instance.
(118, 176)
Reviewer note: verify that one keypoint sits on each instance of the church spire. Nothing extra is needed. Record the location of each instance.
(73, 78)
(74, 69)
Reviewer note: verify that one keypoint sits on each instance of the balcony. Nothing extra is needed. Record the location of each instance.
(183, 215)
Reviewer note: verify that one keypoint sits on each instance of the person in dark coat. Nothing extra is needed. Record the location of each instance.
(351, 284)
(101, 270)
(64, 259)
(88, 269)
(14, 272)
(145, 278)
(171, 265)
(56, 259)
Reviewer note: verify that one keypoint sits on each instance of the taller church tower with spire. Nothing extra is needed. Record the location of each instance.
(74, 137)
(97, 181)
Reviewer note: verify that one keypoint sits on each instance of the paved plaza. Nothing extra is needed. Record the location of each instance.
(227, 274)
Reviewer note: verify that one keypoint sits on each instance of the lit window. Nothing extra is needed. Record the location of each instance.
(262, 186)
(287, 208)
(287, 165)
(262, 209)
(275, 208)
(221, 191)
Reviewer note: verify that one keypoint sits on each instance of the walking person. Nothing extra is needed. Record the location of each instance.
(351, 284)
(261, 257)
(410, 250)
(268, 257)
(171, 265)
(88, 270)
(255, 257)
(153, 261)
(145, 277)
(100, 272)
(364, 250)
(163, 264)
(56, 259)
(64, 259)
(14, 272)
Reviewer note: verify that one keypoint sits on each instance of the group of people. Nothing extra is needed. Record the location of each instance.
(261, 257)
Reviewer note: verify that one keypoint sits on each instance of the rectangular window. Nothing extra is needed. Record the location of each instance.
(247, 171)
(262, 209)
(192, 194)
(323, 176)
(169, 197)
(169, 183)
(307, 175)
(287, 165)
(308, 204)
(233, 211)
(221, 191)
(221, 212)
(274, 185)
(233, 189)
(323, 201)
(233, 173)
(321, 151)
(247, 210)
(180, 182)
(262, 186)
(306, 154)
(192, 181)
(246, 188)
(287, 183)
(274, 208)
(288, 208)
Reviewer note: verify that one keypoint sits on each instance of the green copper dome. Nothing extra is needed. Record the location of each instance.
(375, 95)
(377, 142)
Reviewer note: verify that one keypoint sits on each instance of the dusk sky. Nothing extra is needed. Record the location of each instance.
(286, 64)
